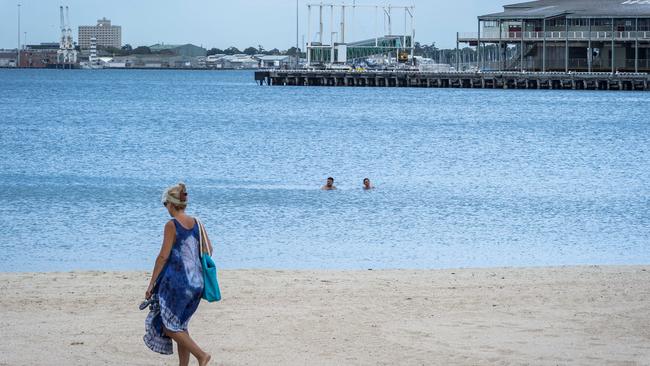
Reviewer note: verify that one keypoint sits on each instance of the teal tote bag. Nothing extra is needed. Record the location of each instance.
(211, 290)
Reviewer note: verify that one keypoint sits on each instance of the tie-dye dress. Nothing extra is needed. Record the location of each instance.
(178, 291)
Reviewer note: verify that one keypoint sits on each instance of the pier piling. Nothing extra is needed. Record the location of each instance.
(480, 80)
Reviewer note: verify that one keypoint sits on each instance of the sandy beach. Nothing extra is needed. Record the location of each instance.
(537, 316)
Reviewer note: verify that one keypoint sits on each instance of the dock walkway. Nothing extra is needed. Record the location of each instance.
(480, 80)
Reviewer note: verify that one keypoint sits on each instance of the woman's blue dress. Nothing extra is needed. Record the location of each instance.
(178, 291)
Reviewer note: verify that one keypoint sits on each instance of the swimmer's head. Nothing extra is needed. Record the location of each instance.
(330, 181)
(366, 183)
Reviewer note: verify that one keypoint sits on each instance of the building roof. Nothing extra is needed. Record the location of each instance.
(43, 46)
(379, 40)
(238, 58)
(274, 58)
(160, 47)
(573, 9)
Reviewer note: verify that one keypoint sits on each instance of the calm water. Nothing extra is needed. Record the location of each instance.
(464, 177)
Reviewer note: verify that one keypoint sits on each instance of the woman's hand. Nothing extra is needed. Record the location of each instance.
(147, 294)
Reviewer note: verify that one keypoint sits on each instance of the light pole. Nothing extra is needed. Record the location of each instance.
(354, 10)
(18, 49)
(297, 30)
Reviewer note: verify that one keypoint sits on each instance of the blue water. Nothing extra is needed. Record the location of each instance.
(465, 178)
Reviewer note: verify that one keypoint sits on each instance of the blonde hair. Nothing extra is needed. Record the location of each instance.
(176, 196)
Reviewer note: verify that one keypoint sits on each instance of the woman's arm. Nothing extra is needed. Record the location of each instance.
(168, 241)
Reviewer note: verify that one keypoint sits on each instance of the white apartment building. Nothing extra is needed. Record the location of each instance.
(107, 35)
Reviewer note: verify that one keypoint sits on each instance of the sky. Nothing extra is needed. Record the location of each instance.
(242, 23)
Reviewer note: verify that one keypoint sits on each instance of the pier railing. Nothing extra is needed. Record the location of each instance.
(556, 36)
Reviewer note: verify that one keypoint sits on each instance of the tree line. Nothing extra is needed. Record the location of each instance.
(128, 50)
(259, 50)
(424, 50)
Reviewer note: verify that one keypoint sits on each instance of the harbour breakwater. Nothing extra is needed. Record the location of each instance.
(479, 80)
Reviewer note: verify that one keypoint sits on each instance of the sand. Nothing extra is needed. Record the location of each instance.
(537, 316)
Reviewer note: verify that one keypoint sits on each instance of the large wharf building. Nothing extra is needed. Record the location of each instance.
(106, 35)
(565, 35)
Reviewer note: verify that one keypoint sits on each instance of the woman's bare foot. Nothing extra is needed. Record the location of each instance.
(204, 360)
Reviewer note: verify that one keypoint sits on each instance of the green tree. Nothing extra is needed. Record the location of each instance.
(250, 51)
(418, 49)
(215, 51)
(291, 51)
(142, 50)
(112, 51)
(231, 50)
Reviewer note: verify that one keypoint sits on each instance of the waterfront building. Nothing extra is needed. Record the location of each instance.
(8, 58)
(388, 46)
(40, 55)
(232, 62)
(106, 34)
(339, 50)
(187, 50)
(38, 59)
(275, 62)
(154, 61)
(565, 35)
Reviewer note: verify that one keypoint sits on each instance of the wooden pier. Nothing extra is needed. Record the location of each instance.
(478, 80)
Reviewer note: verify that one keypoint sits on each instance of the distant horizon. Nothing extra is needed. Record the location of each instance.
(271, 24)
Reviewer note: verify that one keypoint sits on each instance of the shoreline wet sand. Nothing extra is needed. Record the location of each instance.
(544, 316)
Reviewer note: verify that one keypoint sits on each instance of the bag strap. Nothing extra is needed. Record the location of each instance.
(198, 222)
(203, 238)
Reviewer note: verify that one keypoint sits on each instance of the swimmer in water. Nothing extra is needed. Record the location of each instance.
(329, 186)
(367, 185)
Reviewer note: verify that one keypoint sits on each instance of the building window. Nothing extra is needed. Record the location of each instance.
(579, 22)
(644, 25)
(602, 22)
(557, 22)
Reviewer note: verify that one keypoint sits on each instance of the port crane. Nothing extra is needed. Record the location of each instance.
(66, 55)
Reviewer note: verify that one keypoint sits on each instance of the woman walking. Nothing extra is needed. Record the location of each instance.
(176, 283)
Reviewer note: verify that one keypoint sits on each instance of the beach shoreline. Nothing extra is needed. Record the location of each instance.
(582, 315)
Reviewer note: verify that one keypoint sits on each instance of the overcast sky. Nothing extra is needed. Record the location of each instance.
(224, 23)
